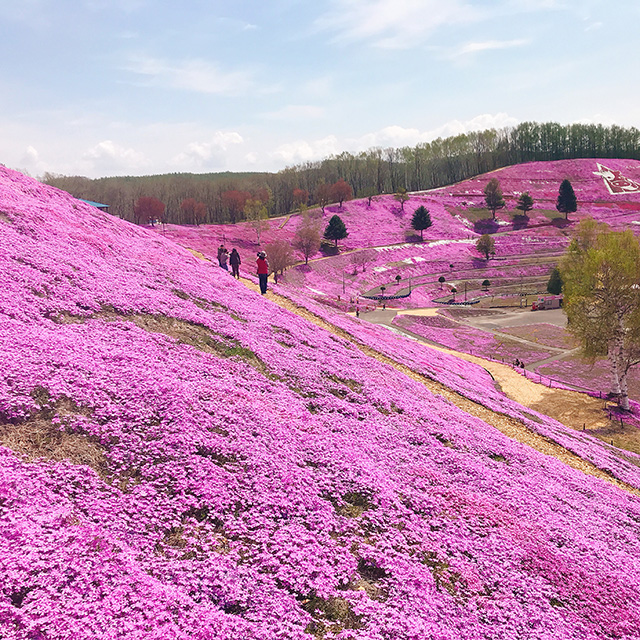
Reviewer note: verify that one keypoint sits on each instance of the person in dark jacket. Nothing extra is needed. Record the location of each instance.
(263, 271)
(234, 261)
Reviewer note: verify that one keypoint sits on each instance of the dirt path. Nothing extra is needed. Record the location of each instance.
(513, 384)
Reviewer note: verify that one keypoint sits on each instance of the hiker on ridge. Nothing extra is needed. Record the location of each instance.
(234, 261)
(263, 271)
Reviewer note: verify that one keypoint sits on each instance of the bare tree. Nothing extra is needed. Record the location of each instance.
(280, 256)
(308, 238)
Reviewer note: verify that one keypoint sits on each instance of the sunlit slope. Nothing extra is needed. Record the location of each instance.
(184, 459)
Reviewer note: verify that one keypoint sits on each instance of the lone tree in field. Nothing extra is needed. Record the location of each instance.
(441, 280)
(567, 202)
(341, 191)
(280, 256)
(308, 238)
(493, 196)
(335, 230)
(601, 272)
(554, 286)
(485, 285)
(323, 195)
(486, 246)
(256, 212)
(421, 220)
(525, 203)
(401, 196)
(148, 209)
(362, 258)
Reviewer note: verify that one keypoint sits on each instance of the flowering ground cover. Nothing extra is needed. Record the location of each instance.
(181, 458)
(468, 339)
(475, 383)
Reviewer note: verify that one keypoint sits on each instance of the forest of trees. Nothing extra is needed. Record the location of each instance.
(221, 197)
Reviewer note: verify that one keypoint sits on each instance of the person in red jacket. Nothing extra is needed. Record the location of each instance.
(263, 271)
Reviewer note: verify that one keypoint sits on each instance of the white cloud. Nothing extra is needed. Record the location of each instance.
(303, 151)
(393, 23)
(191, 75)
(395, 136)
(210, 154)
(109, 156)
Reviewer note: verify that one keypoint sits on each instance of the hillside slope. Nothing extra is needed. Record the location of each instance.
(183, 459)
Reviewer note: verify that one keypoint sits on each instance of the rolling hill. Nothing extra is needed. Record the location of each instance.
(183, 458)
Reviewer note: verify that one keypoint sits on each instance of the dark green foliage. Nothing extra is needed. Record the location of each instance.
(525, 203)
(567, 202)
(554, 286)
(421, 220)
(493, 196)
(336, 230)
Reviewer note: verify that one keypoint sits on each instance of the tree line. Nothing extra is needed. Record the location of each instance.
(223, 197)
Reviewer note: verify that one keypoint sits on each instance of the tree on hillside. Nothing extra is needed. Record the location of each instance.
(493, 196)
(362, 258)
(421, 220)
(602, 300)
(194, 212)
(486, 245)
(256, 213)
(525, 203)
(335, 230)
(300, 198)
(369, 193)
(323, 195)
(554, 286)
(341, 191)
(233, 201)
(441, 280)
(148, 209)
(567, 202)
(280, 256)
(308, 238)
(401, 196)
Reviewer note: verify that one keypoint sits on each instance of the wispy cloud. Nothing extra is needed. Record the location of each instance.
(393, 23)
(489, 45)
(191, 75)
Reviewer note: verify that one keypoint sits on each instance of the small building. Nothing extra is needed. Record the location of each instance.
(547, 302)
(97, 205)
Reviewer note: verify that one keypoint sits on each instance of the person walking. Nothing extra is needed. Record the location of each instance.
(224, 256)
(221, 250)
(263, 271)
(234, 261)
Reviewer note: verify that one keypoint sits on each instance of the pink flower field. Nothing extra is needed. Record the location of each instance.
(182, 458)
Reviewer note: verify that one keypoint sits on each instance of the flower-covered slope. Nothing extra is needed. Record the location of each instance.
(183, 459)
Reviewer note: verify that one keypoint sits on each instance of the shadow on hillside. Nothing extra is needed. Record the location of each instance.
(520, 222)
(488, 225)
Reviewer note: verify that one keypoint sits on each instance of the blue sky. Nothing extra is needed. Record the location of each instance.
(133, 87)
